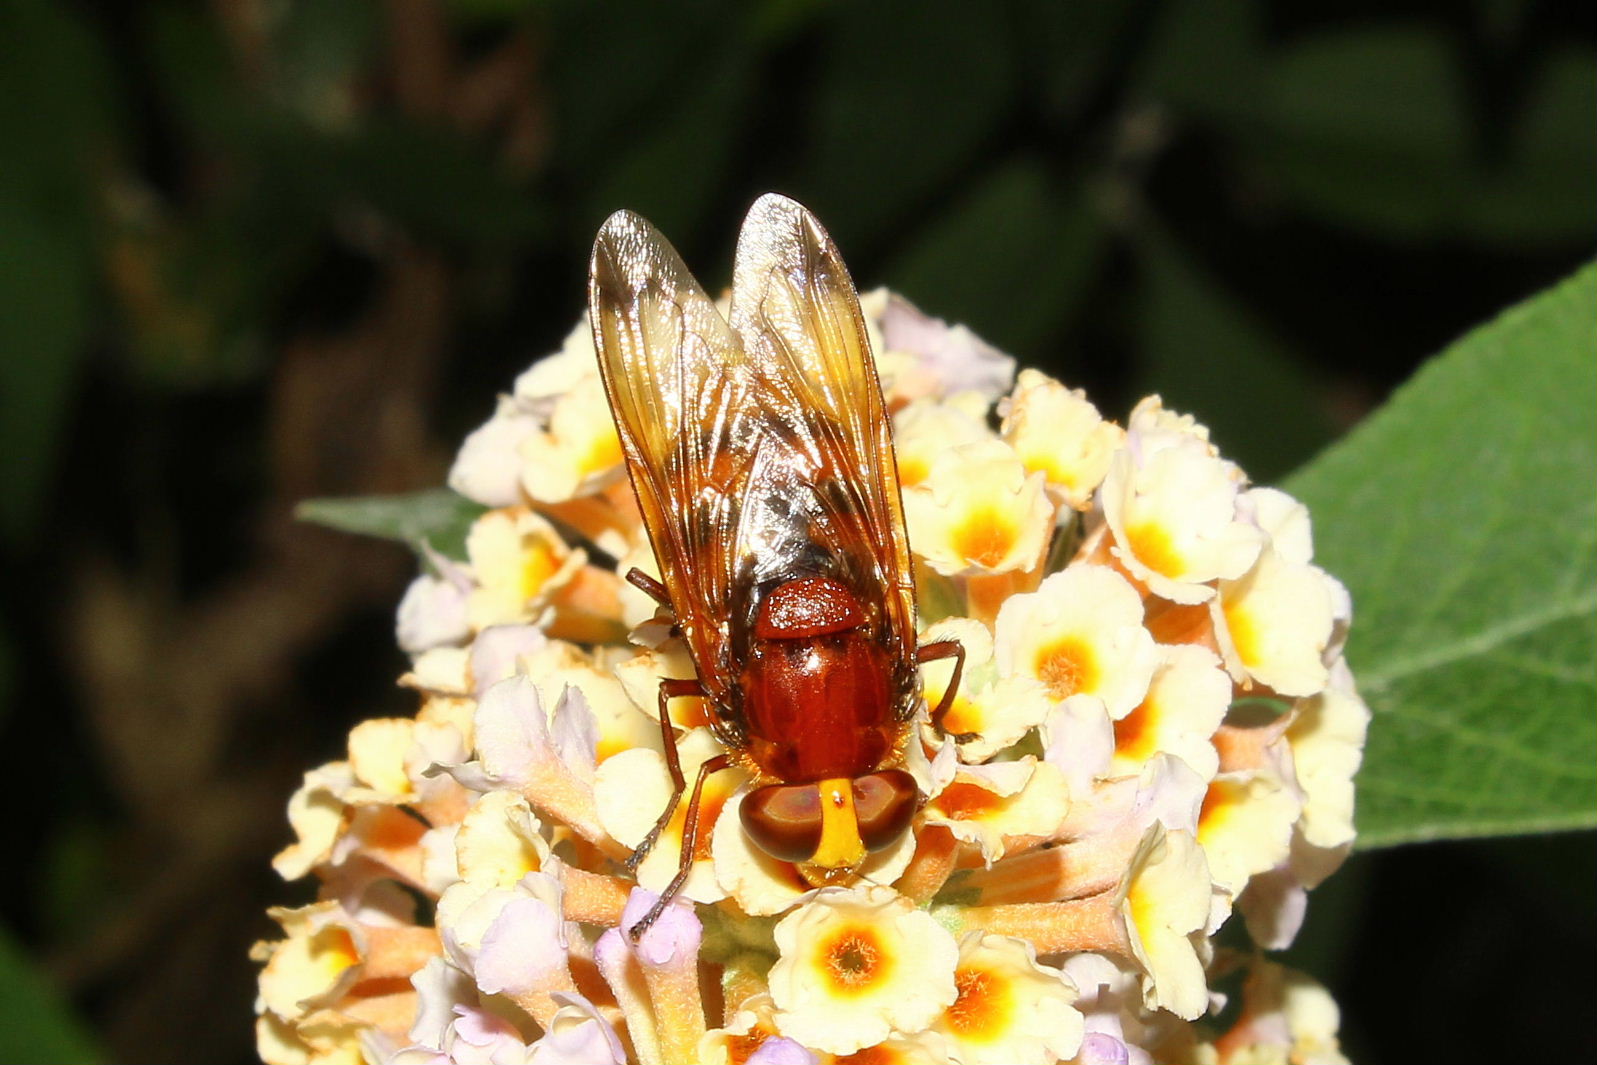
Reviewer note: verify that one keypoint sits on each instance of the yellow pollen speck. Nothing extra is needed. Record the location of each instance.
(538, 564)
(1067, 666)
(1152, 546)
(604, 452)
(985, 538)
(1244, 634)
(982, 1010)
(961, 716)
(854, 961)
(1222, 797)
(911, 472)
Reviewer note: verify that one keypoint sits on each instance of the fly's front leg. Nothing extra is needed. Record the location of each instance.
(648, 586)
(656, 591)
(934, 652)
(669, 689)
(690, 843)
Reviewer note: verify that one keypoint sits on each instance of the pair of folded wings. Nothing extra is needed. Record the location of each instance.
(760, 451)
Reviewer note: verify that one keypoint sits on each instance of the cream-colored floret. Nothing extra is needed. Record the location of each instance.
(1080, 633)
(1165, 903)
(979, 512)
(1185, 703)
(857, 965)
(1010, 1009)
(1171, 505)
(1056, 431)
(1277, 619)
(519, 561)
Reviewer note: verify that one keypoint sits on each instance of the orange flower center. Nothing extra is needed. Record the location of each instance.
(1056, 471)
(911, 472)
(710, 804)
(604, 451)
(876, 1055)
(981, 1012)
(855, 960)
(967, 802)
(985, 539)
(1221, 797)
(1134, 733)
(538, 564)
(961, 716)
(711, 801)
(1066, 666)
(740, 1048)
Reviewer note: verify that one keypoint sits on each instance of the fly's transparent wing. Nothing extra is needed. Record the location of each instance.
(824, 479)
(678, 386)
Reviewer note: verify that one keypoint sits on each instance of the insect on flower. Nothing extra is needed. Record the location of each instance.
(762, 458)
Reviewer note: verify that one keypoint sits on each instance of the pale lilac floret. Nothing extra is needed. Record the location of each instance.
(579, 1035)
(433, 611)
(957, 357)
(676, 934)
(779, 1050)
(525, 941)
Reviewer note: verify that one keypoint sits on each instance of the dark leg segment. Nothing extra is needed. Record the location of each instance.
(937, 651)
(669, 689)
(690, 843)
(648, 586)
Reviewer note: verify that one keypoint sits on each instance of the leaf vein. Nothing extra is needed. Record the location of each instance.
(1380, 678)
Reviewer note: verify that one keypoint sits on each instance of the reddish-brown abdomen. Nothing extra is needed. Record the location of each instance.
(818, 707)
(817, 691)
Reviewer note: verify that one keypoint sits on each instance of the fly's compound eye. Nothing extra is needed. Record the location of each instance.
(785, 820)
(884, 805)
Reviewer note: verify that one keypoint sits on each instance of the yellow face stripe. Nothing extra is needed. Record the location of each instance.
(840, 846)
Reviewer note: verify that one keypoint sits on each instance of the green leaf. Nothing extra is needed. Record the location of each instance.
(1462, 518)
(438, 517)
(35, 1024)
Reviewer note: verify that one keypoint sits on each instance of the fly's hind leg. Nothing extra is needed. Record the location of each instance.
(934, 652)
(669, 689)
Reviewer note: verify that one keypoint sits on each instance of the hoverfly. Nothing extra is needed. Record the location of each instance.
(762, 458)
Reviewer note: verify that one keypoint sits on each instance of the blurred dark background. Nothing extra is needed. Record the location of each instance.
(253, 252)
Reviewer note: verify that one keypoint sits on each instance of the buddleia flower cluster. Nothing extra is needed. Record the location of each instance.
(1165, 738)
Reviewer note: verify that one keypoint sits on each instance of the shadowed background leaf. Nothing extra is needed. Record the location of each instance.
(436, 517)
(34, 1024)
